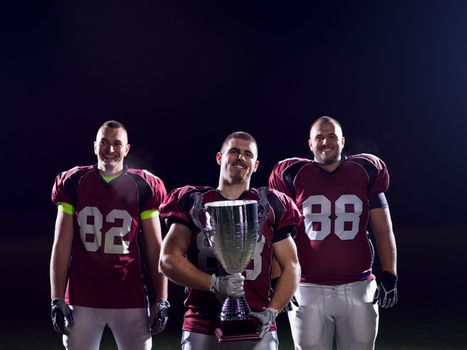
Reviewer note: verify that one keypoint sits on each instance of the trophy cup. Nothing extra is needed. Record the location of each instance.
(232, 230)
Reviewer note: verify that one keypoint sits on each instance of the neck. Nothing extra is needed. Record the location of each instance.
(232, 191)
(110, 172)
(330, 167)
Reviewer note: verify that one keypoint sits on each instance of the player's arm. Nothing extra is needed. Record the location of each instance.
(380, 220)
(286, 256)
(180, 270)
(175, 265)
(159, 312)
(285, 253)
(381, 225)
(59, 260)
(153, 240)
(61, 250)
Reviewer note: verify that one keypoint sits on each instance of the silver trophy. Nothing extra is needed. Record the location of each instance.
(232, 230)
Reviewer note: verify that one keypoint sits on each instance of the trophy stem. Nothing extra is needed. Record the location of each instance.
(235, 309)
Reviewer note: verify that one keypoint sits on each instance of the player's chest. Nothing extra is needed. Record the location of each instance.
(107, 197)
(316, 182)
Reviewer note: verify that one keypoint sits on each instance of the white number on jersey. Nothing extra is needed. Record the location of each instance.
(94, 229)
(317, 213)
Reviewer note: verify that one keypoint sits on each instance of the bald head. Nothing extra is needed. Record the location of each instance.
(326, 141)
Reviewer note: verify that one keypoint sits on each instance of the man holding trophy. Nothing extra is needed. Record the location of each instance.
(220, 245)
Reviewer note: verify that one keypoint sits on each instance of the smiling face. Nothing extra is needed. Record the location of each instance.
(238, 160)
(326, 142)
(111, 147)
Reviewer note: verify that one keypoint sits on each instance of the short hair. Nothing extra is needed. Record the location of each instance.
(113, 124)
(325, 119)
(239, 135)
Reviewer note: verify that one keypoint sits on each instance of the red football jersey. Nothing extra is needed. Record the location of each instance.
(333, 246)
(203, 307)
(106, 259)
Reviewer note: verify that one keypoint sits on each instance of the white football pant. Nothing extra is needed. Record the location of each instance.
(344, 312)
(130, 328)
(198, 341)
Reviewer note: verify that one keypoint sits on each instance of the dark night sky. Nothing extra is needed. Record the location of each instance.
(182, 76)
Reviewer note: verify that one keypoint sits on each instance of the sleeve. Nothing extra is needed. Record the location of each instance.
(287, 215)
(175, 207)
(159, 192)
(276, 179)
(380, 181)
(61, 191)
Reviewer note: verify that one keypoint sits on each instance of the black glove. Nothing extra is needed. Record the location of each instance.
(158, 316)
(386, 293)
(228, 286)
(59, 313)
(289, 306)
(266, 319)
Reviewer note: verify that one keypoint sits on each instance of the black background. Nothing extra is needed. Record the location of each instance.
(182, 76)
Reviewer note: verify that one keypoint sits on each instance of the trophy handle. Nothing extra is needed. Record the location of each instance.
(195, 211)
(263, 207)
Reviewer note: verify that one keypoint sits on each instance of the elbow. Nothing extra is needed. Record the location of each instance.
(297, 273)
(165, 264)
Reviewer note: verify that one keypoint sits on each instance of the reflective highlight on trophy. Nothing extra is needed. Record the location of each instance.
(232, 230)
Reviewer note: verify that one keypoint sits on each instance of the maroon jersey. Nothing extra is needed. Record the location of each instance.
(105, 269)
(333, 246)
(203, 306)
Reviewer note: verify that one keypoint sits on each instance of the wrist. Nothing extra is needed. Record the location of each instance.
(163, 302)
(56, 301)
(388, 277)
(213, 284)
(274, 311)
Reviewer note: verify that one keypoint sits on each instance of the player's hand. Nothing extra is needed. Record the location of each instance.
(266, 319)
(386, 294)
(158, 316)
(228, 286)
(62, 316)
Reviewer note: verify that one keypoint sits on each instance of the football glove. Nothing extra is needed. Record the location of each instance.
(62, 316)
(158, 316)
(266, 319)
(386, 293)
(289, 306)
(228, 286)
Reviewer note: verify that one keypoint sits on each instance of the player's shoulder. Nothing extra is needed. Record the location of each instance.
(145, 175)
(76, 171)
(367, 160)
(275, 195)
(187, 190)
(288, 169)
(293, 160)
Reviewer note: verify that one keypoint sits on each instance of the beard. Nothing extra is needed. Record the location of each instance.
(328, 160)
(238, 176)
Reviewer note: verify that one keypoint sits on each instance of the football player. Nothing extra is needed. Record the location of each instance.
(107, 237)
(187, 260)
(338, 196)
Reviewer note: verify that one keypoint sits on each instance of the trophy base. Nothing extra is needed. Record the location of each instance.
(237, 330)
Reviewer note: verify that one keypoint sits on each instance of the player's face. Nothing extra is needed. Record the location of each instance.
(238, 161)
(326, 142)
(111, 147)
